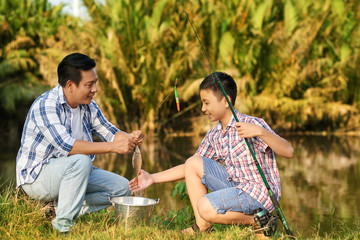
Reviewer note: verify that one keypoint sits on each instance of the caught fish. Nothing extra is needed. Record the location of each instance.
(136, 164)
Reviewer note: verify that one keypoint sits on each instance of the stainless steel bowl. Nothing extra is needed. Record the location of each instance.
(131, 211)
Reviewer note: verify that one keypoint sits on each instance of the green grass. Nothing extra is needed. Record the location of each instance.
(22, 218)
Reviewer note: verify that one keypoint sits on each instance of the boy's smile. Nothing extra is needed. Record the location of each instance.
(214, 108)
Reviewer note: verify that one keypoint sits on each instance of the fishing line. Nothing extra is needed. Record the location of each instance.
(177, 97)
(271, 194)
(175, 93)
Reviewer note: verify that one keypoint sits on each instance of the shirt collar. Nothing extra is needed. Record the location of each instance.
(62, 98)
(230, 124)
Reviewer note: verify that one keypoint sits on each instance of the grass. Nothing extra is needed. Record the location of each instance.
(22, 218)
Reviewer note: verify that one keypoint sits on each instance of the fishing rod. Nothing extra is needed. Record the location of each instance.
(271, 194)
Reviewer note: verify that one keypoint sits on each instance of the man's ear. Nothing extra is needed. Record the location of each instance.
(70, 85)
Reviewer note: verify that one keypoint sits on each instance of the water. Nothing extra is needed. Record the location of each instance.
(320, 185)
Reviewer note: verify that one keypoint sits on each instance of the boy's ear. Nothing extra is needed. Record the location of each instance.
(225, 102)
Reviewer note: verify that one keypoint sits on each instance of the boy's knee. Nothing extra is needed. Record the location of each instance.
(193, 165)
(193, 161)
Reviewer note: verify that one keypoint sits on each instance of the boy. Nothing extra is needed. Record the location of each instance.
(224, 165)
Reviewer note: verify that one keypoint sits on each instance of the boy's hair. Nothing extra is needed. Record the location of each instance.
(211, 83)
(71, 66)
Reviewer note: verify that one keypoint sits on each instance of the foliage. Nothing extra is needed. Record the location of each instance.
(295, 62)
(183, 217)
(22, 218)
(147, 44)
(25, 25)
(24, 29)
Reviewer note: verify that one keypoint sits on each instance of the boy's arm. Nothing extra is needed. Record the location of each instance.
(278, 144)
(146, 179)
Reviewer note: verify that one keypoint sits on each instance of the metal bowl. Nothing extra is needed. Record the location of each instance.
(131, 211)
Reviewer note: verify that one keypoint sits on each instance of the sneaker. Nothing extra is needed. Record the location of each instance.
(49, 210)
(265, 223)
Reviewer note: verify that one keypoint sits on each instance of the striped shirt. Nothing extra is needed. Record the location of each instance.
(47, 132)
(231, 150)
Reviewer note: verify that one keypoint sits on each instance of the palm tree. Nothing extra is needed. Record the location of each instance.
(148, 47)
(304, 83)
(294, 62)
(25, 25)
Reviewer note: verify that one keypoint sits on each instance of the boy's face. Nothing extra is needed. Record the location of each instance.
(213, 107)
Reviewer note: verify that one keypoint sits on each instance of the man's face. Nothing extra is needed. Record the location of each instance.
(84, 93)
(213, 107)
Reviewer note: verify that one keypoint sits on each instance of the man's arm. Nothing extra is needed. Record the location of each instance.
(122, 146)
(122, 143)
(278, 144)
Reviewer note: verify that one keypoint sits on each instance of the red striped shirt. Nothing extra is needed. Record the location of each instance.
(231, 150)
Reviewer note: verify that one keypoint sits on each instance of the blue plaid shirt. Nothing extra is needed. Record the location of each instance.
(47, 132)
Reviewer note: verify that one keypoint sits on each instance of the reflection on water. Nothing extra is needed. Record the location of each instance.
(320, 185)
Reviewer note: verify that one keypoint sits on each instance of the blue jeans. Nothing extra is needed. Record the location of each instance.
(225, 196)
(77, 186)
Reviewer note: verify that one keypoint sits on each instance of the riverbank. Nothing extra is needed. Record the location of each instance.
(22, 218)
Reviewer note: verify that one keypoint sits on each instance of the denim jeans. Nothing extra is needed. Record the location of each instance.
(77, 187)
(225, 196)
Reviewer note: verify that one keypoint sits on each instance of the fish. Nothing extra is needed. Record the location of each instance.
(136, 164)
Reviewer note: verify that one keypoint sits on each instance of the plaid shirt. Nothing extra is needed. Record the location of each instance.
(231, 150)
(47, 132)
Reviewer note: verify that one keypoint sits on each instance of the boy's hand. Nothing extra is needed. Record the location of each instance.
(144, 180)
(248, 130)
(137, 136)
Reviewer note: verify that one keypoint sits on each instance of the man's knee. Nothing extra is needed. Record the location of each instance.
(205, 209)
(127, 191)
(123, 189)
(83, 162)
(119, 186)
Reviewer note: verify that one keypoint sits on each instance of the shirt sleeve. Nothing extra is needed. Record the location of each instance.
(206, 149)
(46, 116)
(100, 125)
(261, 145)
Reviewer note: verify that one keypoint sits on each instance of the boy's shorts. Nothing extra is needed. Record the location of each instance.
(225, 196)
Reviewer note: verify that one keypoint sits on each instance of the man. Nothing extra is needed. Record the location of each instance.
(54, 161)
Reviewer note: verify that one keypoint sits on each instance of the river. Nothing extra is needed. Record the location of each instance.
(320, 185)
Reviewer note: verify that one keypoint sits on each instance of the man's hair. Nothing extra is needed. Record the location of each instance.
(71, 66)
(211, 83)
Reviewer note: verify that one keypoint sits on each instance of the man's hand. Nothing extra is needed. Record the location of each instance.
(124, 145)
(145, 180)
(138, 136)
(248, 130)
